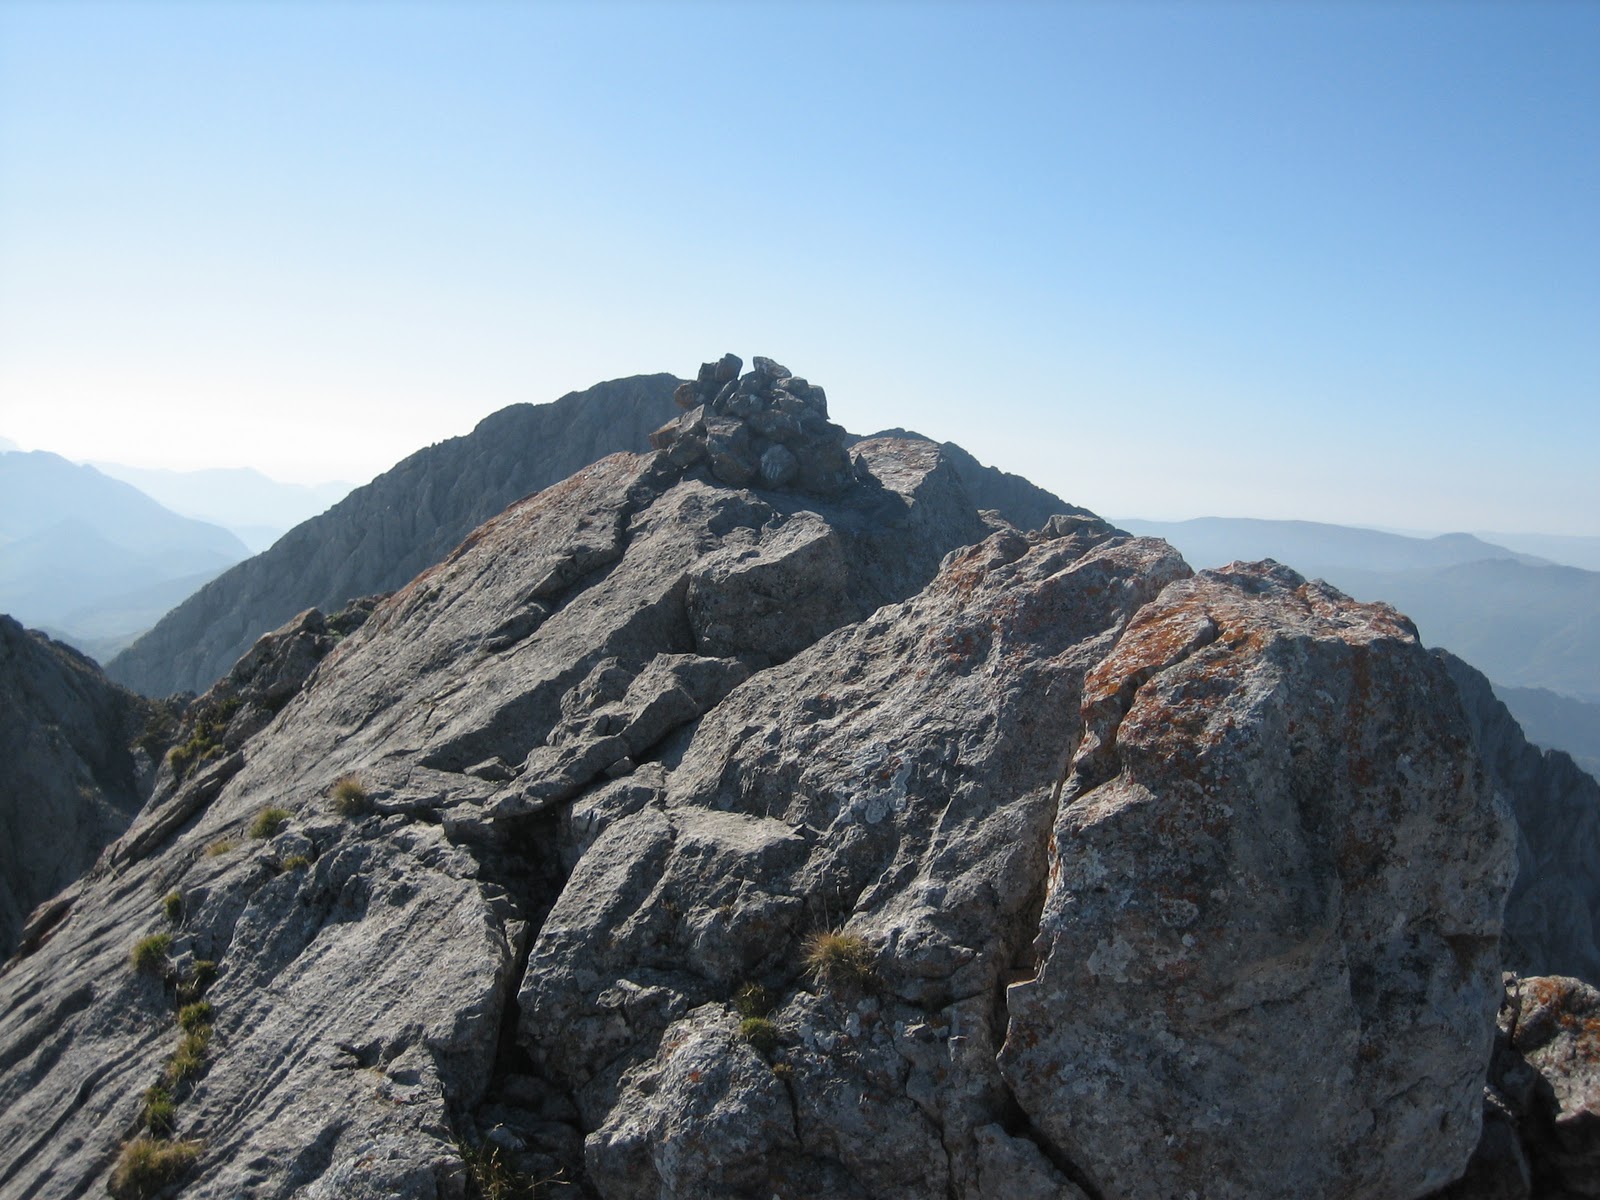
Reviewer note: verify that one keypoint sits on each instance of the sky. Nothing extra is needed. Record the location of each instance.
(1333, 262)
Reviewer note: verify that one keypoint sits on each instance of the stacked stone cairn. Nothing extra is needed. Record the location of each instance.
(767, 428)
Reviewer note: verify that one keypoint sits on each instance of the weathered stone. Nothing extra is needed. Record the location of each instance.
(1547, 1066)
(778, 467)
(1276, 848)
(714, 1121)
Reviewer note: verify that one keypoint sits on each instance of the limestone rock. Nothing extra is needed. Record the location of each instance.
(895, 778)
(1547, 1066)
(367, 960)
(1270, 948)
(673, 838)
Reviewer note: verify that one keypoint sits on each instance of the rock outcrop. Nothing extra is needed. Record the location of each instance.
(72, 778)
(1277, 897)
(1553, 915)
(1019, 501)
(1541, 1112)
(679, 838)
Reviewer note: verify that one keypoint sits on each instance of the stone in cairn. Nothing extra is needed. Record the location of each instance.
(767, 428)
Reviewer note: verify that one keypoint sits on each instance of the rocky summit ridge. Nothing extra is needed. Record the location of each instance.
(722, 822)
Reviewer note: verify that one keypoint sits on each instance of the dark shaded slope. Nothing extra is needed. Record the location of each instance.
(1553, 914)
(381, 535)
(69, 783)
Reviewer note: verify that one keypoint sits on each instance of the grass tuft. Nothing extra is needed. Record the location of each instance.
(350, 796)
(268, 821)
(149, 1164)
(172, 906)
(192, 1017)
(221, 846)
(150, 953)
(491, 1177)
(188, 1061)
(159, 1111)
(296, 862)
(836, 958)
(752, 1000)
(760, 1033)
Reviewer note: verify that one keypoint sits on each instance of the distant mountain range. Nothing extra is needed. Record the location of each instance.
(1569, 551)
(255, 508)
(92, 559)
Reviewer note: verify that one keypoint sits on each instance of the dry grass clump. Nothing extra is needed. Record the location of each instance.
(172, 906)
(752, 1000)
(349, 795)
(192, 1017)
(159, 1111)
(836, 958)
(268, 821)
(149, 1164)
(221, 846)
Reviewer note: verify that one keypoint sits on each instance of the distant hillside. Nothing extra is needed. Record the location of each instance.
(258, 510)
(1557, 723)
(1569, 551)
(379, 536)
(74, 544)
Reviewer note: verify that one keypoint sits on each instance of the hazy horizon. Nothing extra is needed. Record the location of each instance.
(1322, 262)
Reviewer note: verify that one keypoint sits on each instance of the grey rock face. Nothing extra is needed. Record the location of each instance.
(702, 840)
(894, 779)
(1553, 915)
(1276, 852)
(71, 779)
(350, 1052)
(379, 537)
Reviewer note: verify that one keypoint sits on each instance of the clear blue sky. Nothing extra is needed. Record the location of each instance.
(1330, 261)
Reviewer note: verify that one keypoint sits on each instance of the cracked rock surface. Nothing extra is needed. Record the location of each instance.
(697, 830)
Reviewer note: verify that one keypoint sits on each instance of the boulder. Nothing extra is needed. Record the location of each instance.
(1269, 956)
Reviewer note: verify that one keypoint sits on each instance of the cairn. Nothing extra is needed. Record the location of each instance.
(767, 428)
